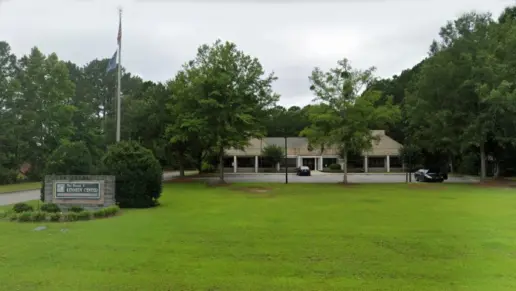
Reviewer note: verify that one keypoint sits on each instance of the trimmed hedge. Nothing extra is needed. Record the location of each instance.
(50, 208)
(22, 207)
(139, 176)
(38, 216)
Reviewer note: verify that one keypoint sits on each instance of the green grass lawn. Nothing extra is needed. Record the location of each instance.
(19, 187)
(296, 237)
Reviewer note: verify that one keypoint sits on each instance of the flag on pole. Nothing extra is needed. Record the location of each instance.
(119, 36)
(112, 63)
(119, 76)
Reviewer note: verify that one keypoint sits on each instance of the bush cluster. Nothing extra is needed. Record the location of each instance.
(22, 207)
(50, 208)
(335, 167)
(56, 216)
(76, 209)
(106, 212)
(138, 174)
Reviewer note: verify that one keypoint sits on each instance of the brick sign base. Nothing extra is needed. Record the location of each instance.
(90, 192)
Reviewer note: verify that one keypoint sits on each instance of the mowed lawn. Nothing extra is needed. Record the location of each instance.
(295, 237)
(20, 187)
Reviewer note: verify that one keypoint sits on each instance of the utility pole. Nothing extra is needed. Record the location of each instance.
(286, 161)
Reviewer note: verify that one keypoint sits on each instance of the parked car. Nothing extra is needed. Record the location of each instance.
(303, 171)
(430, 175)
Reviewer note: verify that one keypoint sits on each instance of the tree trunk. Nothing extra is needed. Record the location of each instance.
(482, 162)
(345, 168)
(198, 163)
(221, 164)
(181, 162)
(181, 166)
(496, 170)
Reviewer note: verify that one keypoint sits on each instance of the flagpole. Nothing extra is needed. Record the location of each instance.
(119, 77)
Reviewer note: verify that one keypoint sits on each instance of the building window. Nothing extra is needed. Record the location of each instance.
(245, 162)
(329, 161)
(376, 162)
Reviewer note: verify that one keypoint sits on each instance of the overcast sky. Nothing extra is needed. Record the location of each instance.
(289, 37)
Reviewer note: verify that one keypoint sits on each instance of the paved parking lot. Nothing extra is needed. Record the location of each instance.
(328, 178)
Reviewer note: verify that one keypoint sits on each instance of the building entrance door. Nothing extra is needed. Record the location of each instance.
(309, 162)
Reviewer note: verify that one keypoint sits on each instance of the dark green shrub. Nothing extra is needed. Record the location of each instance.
(22, 207)
(70, 158)
(25, 216)
(14, 216)
(8, 176)
(111, 210)
(55, 217)
(39, 216)
(335, 167)
(50, 208)
(84, 215)
(99, 213)
(76, 209)
(138, 174)
(71, 216)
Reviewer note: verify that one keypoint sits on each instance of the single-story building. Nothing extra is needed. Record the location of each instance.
(383, 157)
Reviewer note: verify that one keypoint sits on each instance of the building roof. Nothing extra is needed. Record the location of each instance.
(299, 146)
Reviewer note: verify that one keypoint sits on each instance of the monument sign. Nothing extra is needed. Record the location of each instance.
(87, 191)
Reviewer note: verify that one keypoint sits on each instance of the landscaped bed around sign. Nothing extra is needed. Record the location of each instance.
(290, 237)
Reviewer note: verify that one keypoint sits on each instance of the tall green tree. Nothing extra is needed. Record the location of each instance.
(43, 106)
(463, 100)
(9, 90)
(345, 116)
(226, 96)
(273, 153)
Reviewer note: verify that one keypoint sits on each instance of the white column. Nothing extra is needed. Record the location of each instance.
(299, 161)
(321, 166)
(256, 164)
(366, 164)
(388, 163)
(277, 166)
(235, 164)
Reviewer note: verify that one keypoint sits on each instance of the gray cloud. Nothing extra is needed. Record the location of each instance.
(289, 37)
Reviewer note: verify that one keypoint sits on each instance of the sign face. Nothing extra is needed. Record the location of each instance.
(77, 190)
